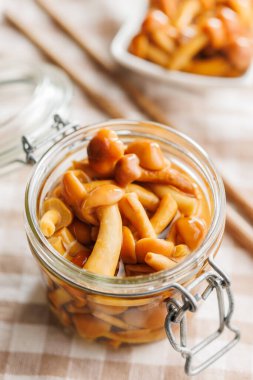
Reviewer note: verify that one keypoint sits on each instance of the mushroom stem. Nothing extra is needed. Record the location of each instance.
(105, 254)
(167, 176)
(132, 209)
(164, 213)
(48, 222)
(159, 262)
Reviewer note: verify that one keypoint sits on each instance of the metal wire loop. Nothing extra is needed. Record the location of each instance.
(33, 146)
(216, 280)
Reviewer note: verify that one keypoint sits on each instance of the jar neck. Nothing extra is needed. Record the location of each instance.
(58, 158)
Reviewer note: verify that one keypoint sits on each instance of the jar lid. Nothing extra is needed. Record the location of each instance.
(30, 94)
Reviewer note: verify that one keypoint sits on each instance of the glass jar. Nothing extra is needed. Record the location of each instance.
(139, 309)
(30, 94)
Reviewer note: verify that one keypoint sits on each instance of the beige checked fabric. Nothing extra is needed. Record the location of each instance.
(32, 345)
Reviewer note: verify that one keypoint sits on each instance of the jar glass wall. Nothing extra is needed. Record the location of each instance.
(119, 309)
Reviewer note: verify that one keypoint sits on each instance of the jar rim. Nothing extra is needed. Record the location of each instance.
(123, 286)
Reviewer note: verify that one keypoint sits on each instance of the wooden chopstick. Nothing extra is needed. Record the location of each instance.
(235, 196)
(146, 105)
(106, 106)
(99, 100)
(244, 234)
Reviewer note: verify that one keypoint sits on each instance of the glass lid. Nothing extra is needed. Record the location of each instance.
(30, 94)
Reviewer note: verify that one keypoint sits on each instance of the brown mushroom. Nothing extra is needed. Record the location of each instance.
(216, 31)
(164, 214)
(106, 251)
(56, 215)
(67, 237)
(164, 39)
(85, 167)
(170, 8)
(132, 209)
(154, 20)
(151, 318)
(127, 252)
(149, 153)
(90, 327)
(94, 184)
(104, 150)
(81, 231)
(104, 195)
(148, 199)
(72, 246)
(239, 53)
(139, 46)
(81, 175)
(172, 234)
(73, 189)
(168, 176)
(138, 269)
(56, 242)
(187, 11)
(187, 205)
(192, 230)
(231, 22)
(81, 257)
(127, 169)
(159, 262)
(94, 233)
(181, 250)
(161, 246)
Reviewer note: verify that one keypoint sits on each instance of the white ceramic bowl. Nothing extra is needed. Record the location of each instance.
(119, 50)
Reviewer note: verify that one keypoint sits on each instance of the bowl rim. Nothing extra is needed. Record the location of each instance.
(119, 51)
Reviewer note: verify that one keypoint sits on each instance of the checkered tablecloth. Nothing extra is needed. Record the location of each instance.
(32, 345)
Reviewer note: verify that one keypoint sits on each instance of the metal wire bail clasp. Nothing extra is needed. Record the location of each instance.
(35, 146)
(218, 281)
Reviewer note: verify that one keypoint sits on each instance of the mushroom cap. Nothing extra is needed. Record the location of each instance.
(192, 230)
(73, 188)
(66, 215)
(104, 150)
(81, 175)
(104, 195)
(127, 169)
(149, 153)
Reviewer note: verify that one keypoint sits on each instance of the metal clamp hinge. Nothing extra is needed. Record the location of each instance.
(58, 130)
(219, 282)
